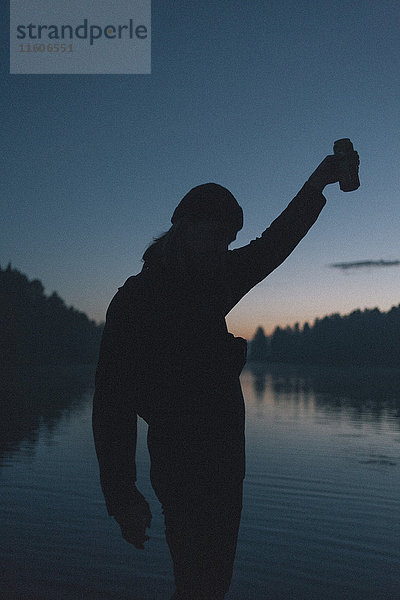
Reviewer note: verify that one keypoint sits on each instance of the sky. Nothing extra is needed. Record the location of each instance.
(250, 95)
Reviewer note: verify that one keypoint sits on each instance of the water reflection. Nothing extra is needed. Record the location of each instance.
(321, 513)
(37, 398)
(356, 392)
(42, 397)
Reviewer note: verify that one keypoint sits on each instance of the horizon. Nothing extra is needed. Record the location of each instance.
(248, 337)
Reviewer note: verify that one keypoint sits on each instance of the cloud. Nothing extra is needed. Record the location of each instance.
(361, 264)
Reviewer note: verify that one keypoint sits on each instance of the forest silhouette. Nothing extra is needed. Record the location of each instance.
(40, 329)
(368, 337)
(36, 329)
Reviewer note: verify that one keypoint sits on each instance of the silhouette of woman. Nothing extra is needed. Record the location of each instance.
(166, 355)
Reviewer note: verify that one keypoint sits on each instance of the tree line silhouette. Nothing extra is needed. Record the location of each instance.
(39, 329)
(368, 337)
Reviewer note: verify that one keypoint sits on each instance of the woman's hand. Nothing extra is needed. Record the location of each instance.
(328, 171)
(134, 522)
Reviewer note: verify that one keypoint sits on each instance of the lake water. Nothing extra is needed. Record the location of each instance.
(321, 518)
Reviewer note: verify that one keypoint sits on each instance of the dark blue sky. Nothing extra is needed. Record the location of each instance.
(248, 94)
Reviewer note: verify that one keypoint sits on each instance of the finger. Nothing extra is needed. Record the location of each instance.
(136, 541)
(136, 536)
(139, 544)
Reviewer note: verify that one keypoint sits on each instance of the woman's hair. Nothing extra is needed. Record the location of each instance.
(167, 248)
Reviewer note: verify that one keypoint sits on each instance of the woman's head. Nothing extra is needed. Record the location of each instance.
(212, 203)
(204, 223)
